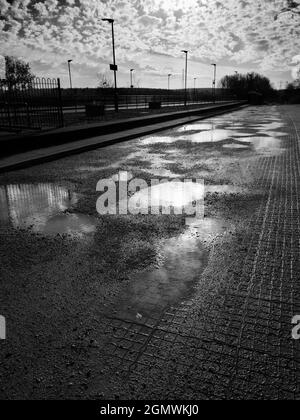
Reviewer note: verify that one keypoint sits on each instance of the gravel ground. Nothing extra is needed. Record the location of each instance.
(115, 307)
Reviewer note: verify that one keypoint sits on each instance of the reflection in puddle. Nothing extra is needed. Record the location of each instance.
(158, 139)
(174, 195)
(197, 127)
(210, 136)
(41, 208)
(65, 224)
(269, 126)
(236, 146)
(273, 133)
(182, 262)
(265, 144)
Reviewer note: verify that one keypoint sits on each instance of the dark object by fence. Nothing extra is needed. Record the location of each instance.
(95, 110)
(255, 98)
(154, 105)
(35, 105)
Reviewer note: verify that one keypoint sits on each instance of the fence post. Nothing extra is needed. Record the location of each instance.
(60, 104)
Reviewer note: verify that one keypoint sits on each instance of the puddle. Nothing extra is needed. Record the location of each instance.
(65, 224)
(42, 208)
(210, 136)
(174, 195)
(236, 146)
(197, 127)
(269, 126)
(156, 140)
(273, 133)
(182, 260)
(265, 144)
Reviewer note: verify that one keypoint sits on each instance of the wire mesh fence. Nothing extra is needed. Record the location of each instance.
(34, 105)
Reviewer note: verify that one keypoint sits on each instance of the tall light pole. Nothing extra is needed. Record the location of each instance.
(131, 78)
(169, 77)
(114, 67)
(186, 75)
(214, 82)
(70, 75)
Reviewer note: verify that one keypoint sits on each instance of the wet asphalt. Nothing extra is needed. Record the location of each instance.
(147, 305)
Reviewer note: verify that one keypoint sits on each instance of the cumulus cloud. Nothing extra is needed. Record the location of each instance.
(296, 67)
(233, 33)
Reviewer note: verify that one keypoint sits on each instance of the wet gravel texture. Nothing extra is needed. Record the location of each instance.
(144, 306)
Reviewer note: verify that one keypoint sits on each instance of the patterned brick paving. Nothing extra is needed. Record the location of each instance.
(233, 339)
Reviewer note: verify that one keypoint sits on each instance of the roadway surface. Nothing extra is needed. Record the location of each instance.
(145, 306)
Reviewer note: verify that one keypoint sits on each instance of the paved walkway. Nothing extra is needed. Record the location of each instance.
(233, 339)
(90, 142)
(87, 320)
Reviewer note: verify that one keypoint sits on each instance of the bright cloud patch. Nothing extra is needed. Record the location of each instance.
(235, 33)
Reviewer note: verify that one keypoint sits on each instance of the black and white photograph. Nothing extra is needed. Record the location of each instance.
(149, 203)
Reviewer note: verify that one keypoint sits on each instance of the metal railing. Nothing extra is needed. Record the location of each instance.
(139, 102)
(34, 105)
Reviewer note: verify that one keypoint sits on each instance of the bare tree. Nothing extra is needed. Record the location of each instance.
(105, 81)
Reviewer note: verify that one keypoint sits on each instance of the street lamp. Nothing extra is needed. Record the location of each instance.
(186, 74)
(131, 78)
(169, 76)
(114, 67)
(214, 82)
(70, 75)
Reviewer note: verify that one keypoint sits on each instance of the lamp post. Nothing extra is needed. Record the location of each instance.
(70, 75)
(114, 67)
(131, 78)
(214, 82)
(169, 77)
(186, 75)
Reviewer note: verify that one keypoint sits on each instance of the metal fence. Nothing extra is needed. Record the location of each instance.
(34, 105)
(76, 100)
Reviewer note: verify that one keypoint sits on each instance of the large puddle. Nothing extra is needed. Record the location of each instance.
(183, 259)
(236, 131)
(42, 208)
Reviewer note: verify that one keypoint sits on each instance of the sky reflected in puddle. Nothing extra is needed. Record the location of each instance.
(181, 262)
(42, 208)
(235, 146)
(65, 224)
(158, 139)
(265, 144)
(174, 195)
(197, 127)
(210, 136)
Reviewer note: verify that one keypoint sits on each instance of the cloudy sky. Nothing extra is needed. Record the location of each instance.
(238, 35)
